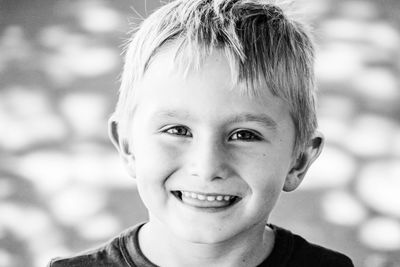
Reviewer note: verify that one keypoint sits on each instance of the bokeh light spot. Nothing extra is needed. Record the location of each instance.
(362, 10)
(338, 62)
(377, 84)
(342, 208)
(90, 61)
(345, 29)
(28, 116)
(371, 136)
(13, 218)
(335, 117)
(96, 17)
(55, 36)
(338, 106)
(381, 233)
(77, 57)
(99, 167)
(75, 205)
(99, 227)
(378, 185)
(85, 113)
(14, 46)
(334, 168)
(49, 171)
(383, 36)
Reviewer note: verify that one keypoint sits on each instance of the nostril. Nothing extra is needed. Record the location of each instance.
(208, 176)
(210, 169)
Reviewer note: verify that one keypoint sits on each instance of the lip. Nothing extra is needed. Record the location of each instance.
(206, 201)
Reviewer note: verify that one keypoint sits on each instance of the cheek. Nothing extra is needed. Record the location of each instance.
(268, 185)
(265, 175)
(266, 189)
(155, 160)
(153, 167)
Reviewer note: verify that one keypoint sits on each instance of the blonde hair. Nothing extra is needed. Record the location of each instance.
(260, 41)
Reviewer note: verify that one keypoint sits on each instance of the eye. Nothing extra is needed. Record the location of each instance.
(245, 135)
(178, 130)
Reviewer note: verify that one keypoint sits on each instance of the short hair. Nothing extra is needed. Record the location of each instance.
(260, 41)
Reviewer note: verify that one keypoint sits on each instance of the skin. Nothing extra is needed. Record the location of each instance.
(197, 133)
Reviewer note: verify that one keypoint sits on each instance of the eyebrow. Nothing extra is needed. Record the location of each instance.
(173, 114)
(263, 119)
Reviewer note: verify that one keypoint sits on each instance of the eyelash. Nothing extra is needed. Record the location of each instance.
(251, 136)
(174, 130)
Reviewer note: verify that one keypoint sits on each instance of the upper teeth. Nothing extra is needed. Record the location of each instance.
(207, 197)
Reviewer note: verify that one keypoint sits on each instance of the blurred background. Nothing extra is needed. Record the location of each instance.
(63, 188)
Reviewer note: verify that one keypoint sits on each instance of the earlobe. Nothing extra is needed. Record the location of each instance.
(303, 162)
(130, 165)
(122, 147)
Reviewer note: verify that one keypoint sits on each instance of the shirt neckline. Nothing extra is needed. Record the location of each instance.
(133, 255)
(282, 250)
(279, 256)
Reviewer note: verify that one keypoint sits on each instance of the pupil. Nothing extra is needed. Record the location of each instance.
(181, 131)
(244, 135)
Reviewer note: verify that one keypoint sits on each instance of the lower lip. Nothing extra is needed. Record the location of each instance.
(204, 205)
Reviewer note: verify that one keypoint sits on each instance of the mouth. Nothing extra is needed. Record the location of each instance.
(206, 201)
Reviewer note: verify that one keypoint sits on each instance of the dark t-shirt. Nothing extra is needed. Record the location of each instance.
(290, 250)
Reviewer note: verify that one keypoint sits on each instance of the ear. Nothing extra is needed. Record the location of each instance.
(303, 161)
(122, 146)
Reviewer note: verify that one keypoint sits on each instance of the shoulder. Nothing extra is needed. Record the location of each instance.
(308, 252)
(108, 254)
(112, 253)
(305, 253)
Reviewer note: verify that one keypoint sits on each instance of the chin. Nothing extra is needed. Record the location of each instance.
(209, 238)
(204, 235)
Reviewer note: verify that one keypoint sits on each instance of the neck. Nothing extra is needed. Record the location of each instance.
(248, 249)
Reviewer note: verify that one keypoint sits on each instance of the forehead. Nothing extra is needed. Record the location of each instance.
(206, 95)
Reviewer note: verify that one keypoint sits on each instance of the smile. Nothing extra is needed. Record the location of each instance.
(201, 200)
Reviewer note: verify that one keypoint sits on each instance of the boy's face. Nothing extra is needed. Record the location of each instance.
(210, 162)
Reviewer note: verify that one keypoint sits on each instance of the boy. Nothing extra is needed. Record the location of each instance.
(216, 117)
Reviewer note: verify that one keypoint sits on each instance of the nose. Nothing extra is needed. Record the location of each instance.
(209, 160)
